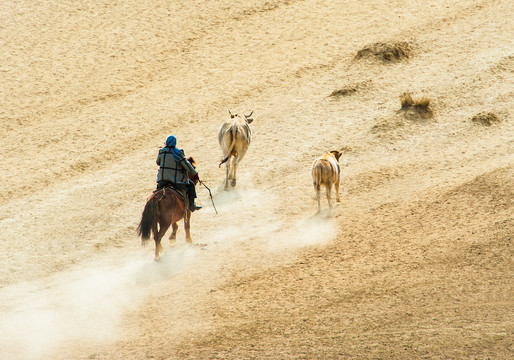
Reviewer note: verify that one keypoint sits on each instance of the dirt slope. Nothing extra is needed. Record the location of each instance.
(416, 260)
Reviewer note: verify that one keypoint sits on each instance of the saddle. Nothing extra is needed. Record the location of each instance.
(179, 190)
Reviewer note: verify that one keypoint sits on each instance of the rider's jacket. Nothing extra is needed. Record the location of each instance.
(172, 170)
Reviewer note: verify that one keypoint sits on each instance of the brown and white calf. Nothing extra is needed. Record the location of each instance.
(326, 171)
(234, 137)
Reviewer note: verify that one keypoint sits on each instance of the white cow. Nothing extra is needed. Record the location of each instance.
(234, 137)
(326, 171)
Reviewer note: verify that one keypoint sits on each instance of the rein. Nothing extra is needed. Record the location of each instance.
(210, 194)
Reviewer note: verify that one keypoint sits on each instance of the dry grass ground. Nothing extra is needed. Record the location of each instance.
(414, 263)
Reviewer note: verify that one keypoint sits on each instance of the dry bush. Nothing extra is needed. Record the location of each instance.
(487, 119)
(386, 52)
(422, 103)
(406, 100)
(416, 107)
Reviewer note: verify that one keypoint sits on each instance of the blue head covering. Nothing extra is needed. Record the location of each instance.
(171, 142)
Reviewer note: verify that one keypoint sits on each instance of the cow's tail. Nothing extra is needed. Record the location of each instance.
(148, 221)
(224, 161)
(232, 131)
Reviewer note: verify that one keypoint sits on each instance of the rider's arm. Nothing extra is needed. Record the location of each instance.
(187, 165)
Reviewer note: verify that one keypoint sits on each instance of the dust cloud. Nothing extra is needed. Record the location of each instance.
(83, 304)
(263, 224)
(313, 230)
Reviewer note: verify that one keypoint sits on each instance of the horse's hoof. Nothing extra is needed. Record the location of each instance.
(173, 243)
(233, 183)
(157, 258)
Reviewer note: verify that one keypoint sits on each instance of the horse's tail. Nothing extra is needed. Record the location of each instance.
(148, 221)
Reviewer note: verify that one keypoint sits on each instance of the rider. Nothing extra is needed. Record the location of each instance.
(174, 169)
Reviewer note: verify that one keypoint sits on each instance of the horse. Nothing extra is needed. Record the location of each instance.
(165, 207)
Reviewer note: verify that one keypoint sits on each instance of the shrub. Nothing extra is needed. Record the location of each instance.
(416, 107)
(406, 100)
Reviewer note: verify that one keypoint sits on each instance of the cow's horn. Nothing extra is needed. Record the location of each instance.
(250, 114)
(229, 112)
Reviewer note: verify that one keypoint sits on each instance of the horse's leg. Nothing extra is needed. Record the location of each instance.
(187, 226)
(163, 227)
(158, 248)
(173, 236)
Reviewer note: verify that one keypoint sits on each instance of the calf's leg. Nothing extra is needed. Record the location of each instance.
(318, 196)
(329, 195)
(336, 185)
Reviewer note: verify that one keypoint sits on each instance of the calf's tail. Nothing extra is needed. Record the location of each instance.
(317, 175)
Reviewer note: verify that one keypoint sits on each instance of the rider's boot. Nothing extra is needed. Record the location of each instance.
(194, 207)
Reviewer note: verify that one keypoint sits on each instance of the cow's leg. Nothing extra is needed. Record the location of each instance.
(227, 167)
(234, 169)
(241, 151)
(187, 226)
(173, 236)
(163, 227)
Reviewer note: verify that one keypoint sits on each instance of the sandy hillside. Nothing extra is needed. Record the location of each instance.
(414, 262)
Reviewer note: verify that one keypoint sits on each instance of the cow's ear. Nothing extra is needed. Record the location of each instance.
(249, 120)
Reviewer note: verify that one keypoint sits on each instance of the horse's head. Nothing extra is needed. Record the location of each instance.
(192, 162)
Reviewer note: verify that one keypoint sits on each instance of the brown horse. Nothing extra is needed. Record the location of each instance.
(165, 207)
